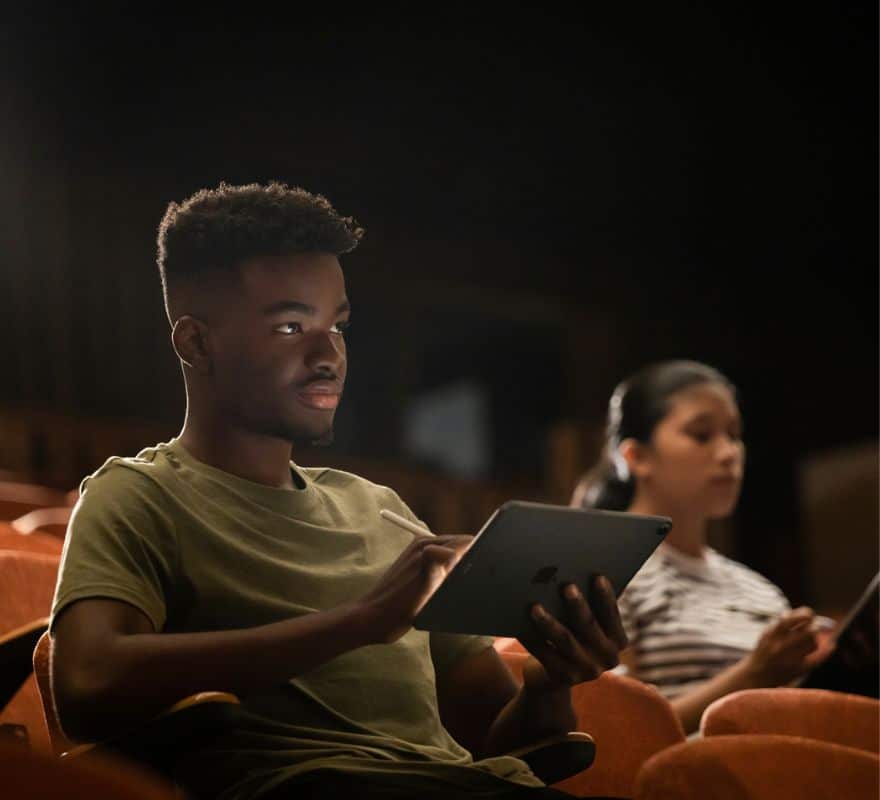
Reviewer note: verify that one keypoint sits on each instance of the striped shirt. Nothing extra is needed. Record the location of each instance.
(689, 618)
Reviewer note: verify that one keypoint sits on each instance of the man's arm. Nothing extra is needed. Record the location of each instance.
(485, 711)
(110, 669)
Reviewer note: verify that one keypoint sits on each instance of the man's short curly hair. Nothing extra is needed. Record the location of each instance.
(216, 230)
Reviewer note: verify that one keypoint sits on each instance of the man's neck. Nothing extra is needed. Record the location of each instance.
(261, 459)
(688, 534)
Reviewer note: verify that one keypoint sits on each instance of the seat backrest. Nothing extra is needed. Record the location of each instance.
(27, 584)
(846, 719)
(34, 776)
(12, 539)
(628, 720)
(19, 498)
(758, 767)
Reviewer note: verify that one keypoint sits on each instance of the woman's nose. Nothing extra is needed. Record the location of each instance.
(730, 450)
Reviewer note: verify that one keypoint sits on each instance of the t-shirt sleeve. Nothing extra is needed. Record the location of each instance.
(120, 545)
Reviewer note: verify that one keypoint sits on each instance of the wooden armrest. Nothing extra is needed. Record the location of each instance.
(156, 743)
(16, 653)
(53, 520)
(558, 757)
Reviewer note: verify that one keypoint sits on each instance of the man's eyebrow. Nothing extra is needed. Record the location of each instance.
(283, 306)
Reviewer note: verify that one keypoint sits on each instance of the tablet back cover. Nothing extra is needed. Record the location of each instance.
(525, 553)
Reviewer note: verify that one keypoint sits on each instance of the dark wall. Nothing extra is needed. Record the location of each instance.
(551, 202)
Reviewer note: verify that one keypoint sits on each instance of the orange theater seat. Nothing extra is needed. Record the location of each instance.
(19, 498)
(628, 720)
(846, 719)
(12, 539)
(27, 775)
(758, 767)
(27, 584)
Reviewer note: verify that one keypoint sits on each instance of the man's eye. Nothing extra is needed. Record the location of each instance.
(289, 328)
(341, 327)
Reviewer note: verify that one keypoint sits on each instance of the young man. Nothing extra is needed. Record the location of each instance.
(213, 562)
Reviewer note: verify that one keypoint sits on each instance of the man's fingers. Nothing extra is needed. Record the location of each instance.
(588, 631)
(455, 542)
(556, 649)
(604, 605)
(437, 555)
(562, 671)
(436, 562)
(582, 643)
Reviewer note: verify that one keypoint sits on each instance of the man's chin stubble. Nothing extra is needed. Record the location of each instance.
(323, 441)
(302, 439)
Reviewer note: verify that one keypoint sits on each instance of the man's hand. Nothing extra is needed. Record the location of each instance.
(389, 608)
(578, 648)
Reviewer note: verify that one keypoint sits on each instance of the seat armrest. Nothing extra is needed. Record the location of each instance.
(558, 757)
(157, 742)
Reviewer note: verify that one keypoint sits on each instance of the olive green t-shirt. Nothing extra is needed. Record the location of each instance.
(198, 549)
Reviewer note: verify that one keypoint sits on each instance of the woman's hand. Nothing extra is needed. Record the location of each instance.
(784, 649)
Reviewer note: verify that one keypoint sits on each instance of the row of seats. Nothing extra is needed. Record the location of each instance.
(640, 742)
(33, 523)
(764, 743)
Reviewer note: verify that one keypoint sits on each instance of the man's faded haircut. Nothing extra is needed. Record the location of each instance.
(216, 230)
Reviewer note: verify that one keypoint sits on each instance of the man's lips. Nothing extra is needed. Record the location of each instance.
(323, 395)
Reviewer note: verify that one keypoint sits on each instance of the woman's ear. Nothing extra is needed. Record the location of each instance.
(635, 455)
(191, 341)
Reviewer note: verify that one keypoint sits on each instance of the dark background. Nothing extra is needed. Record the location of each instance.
(552, 199)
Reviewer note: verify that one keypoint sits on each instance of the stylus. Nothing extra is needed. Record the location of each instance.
(404, 523)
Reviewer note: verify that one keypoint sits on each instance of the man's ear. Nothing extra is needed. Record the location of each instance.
(635, 456)
(192, 344)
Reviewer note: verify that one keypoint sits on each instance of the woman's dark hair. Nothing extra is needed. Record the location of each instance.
(637, 406)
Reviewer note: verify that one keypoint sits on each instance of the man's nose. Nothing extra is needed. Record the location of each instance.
(327, 353)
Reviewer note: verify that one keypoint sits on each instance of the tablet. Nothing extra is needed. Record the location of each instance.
(525, 554)
(853, 665)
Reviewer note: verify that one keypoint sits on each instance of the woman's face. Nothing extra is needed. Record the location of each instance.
(696, 456)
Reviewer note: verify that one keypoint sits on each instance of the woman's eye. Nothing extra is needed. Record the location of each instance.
(289, 328)
(341, 327)
(701, 436)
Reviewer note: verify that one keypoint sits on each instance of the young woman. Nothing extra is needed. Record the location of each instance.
(700, 625)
